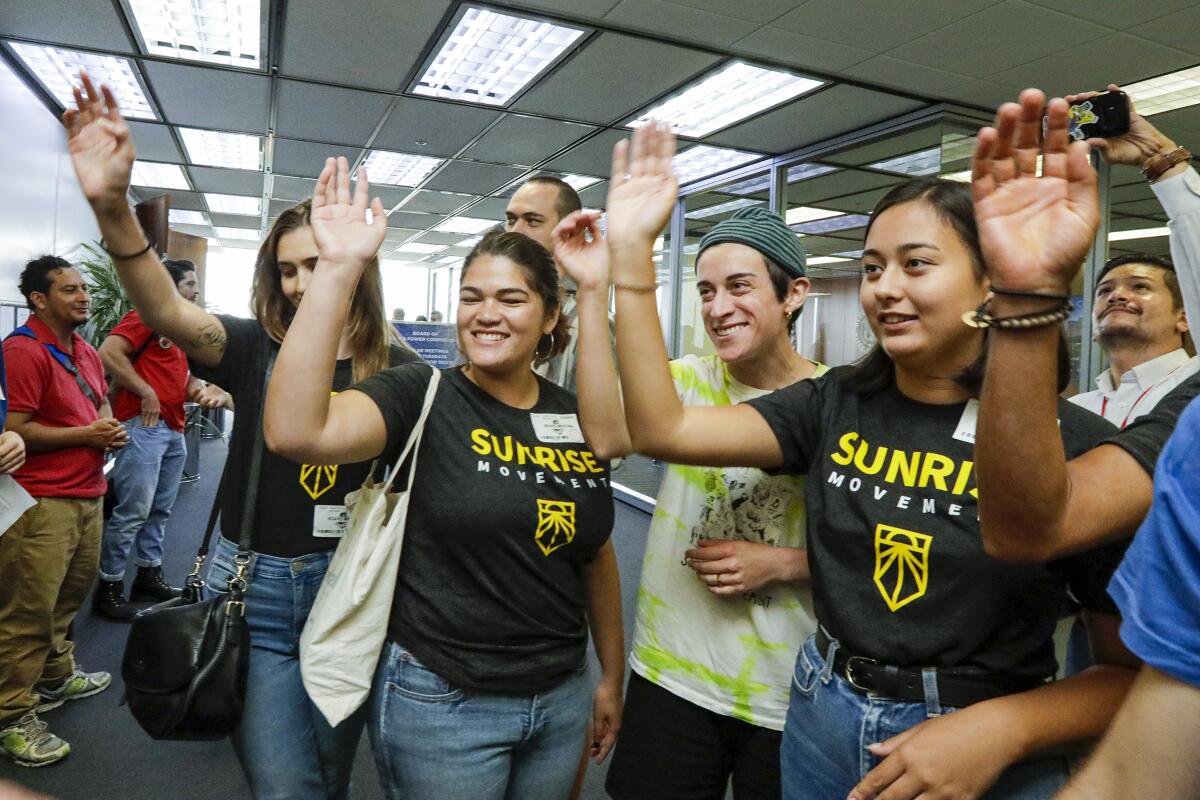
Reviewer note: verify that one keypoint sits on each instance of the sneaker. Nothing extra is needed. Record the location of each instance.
(151, 585)
(81, 684)
(28, 743)
(109, 602)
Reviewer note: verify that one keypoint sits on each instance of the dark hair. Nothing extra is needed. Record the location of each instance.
(1169, 276)
(537, 265)
(178, 267)
(568, 201)
(781, 281)
(952, 201)
(36, 277)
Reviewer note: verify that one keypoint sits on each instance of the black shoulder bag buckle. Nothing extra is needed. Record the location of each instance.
(187, 659)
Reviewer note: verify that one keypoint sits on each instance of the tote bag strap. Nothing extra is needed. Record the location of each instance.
(414, 436)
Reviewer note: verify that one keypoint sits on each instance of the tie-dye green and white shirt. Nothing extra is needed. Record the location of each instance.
(731, 655)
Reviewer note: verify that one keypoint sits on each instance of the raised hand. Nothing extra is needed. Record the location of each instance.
(643, 189)
(1035, 231)
(101, 148)
(339, 219)
(584, 259)
(1135, 148)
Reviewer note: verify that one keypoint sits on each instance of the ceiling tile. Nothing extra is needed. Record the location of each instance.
(1182, 124)
(390, 195)
(82, 23)
(186, 201)
(798, 50)
(595, 196)
(522, 140)
(476, 178)
(692, 24)
(194, 230)
(987, 94)
(456, 251)
(444, 127)
(587, 9)
(399, 234)
(235, 221)
(905, 75)
(1081, 68)
(437, 202)
(998, 38)
(410, 219)
(240, 244)
(277, 207)
(1119, 14)
(612, 76)
(839, 109)
(377, 44)
(226, 181)
(440, 237)
(1176, 30)
(877, 25)
(202, 97)
(593, 157)
(289, 188)
(760, 11)
(328, 114)
(307, 159)
(488, 208)
(154, 142)
(1147, 210)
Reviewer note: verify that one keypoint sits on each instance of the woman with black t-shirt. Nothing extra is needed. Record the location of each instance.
(481, 689)
(285, 746)
(915, 618)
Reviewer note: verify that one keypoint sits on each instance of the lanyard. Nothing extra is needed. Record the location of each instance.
(1124, 422)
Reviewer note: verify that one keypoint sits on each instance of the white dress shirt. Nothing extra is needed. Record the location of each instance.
(1140, 388)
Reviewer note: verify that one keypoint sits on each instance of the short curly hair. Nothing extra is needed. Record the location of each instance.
(38, 276)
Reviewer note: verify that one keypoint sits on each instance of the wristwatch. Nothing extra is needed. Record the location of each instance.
(1155, 167)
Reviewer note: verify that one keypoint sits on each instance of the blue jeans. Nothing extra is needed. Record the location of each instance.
(433, 739)
(286, 748)
(829, 725)
(146, 477)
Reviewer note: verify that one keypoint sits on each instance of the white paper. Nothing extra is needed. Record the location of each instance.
(557, 428)
(14, 501)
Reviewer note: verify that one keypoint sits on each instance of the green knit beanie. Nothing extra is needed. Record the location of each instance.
(764, 231)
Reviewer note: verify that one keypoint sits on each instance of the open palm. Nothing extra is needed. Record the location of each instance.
(643, 187)
(98, 140)
(339, 218)
(1034, 231)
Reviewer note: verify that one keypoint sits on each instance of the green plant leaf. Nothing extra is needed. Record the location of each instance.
(109, 301)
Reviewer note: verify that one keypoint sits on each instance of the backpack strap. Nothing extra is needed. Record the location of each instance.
(64, 360)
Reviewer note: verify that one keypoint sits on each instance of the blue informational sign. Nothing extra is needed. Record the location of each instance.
(436, 342)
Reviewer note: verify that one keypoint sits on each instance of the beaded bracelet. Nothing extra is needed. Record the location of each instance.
(980, 318)
(119, 257)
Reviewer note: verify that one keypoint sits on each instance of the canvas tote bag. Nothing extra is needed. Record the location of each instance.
(345, 631)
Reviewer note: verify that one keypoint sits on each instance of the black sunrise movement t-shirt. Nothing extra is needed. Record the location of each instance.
(1146, 436)
(298, 504)
(508, 507)
(899, 570)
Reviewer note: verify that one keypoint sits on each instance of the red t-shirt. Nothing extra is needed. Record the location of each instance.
(37, 383)
(161, 364)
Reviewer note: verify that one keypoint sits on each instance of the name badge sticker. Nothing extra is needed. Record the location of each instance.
(330, 522)
(965, 432)
(557, 428)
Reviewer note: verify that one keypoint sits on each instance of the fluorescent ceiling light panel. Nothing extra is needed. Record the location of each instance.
(159, 176)
(464, 225)
(1139, 233)
(57, 70)
(186, 217)
(449, 260)
(226, 32)
(961, 177)
(832, 224)
(489, 57)
(1166, 92)
(580, 182)
(819, 260)
(795, 174)
(474, 240)
(399, 169)
(851, 254)
(237, 233)
(922, 162)
(220, 149)
(420, 248)
(701, 161)
(722, 208)
(234, 204)
(729, 95)
(800, 214)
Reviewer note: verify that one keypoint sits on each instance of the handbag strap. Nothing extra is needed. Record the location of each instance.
(414, 436)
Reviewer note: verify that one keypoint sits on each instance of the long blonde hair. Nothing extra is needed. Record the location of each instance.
(371, 334)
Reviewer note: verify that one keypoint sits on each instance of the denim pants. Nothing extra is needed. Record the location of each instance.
(286, 748)
(830, 724)
(146, 477)
(433, 739)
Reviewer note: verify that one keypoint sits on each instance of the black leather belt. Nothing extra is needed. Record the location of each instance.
(867, 675)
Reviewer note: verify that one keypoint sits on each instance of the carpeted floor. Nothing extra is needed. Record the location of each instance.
(112, 759)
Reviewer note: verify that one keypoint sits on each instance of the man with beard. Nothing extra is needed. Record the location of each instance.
(1140, 323)
(49, 557)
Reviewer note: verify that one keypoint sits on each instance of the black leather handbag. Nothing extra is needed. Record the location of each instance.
(187, 659)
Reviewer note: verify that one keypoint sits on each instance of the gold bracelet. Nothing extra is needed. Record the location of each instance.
(630, 288)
